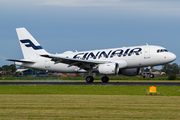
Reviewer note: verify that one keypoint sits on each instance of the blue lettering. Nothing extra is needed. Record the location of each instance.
(118, 54)
(92, 55)
(104, 54)
(125, 53)
(77, 57)
(133, 51)
(84, 57)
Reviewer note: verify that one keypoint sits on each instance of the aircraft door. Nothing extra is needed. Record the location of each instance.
(147, 53)
(47, 63)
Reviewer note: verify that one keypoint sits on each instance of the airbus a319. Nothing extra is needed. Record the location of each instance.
(125, 60)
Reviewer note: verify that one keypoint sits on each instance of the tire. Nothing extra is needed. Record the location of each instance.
(89, 79)
(105, 79)
(151, 75)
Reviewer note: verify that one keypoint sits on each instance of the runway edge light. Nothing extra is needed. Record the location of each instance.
(152, 89)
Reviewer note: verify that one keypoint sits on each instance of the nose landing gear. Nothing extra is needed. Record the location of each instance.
(151, 75)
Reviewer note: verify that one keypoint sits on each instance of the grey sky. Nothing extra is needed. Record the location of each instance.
(61, 25)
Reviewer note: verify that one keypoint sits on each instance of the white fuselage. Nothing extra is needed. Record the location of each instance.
(136, 57)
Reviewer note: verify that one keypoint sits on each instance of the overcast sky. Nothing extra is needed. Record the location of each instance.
(69, 25)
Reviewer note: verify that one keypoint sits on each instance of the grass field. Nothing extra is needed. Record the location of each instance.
(89, 107)
(87, 90)
(88, 102)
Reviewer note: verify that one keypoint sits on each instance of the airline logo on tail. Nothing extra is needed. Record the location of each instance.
(31, 44)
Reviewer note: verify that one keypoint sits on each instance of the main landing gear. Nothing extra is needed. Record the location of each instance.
(90, 79)
(105, 79)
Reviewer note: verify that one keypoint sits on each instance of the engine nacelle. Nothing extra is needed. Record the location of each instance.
(130, 71)
(108, 68)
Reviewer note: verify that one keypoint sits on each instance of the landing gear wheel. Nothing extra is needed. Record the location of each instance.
(151, 75)
(89, 79)
(105, 79)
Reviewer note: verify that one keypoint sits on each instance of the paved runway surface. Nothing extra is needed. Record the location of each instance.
(95, 83)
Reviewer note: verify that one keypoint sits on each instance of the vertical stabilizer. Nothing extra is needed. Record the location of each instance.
(30, 47)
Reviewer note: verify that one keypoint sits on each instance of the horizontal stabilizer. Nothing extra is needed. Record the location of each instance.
(23, 61)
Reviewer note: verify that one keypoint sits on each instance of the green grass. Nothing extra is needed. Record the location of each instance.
(88, 102)
(75, 107)
(87, 90)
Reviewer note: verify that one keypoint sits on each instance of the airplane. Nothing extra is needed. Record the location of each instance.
(125, 60)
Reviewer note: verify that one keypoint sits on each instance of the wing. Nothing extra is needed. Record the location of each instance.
(83, 64)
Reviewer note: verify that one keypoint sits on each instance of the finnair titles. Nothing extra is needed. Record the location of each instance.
(110, 54)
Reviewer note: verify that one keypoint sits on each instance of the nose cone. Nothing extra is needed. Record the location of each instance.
(172, 57)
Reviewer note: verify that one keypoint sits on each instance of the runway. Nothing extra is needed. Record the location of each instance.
(95, 83)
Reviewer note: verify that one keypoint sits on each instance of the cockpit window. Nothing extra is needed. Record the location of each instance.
(162, 50)
(165, 50)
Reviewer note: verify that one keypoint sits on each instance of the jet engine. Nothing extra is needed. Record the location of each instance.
(130, 71)
(108, 68)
